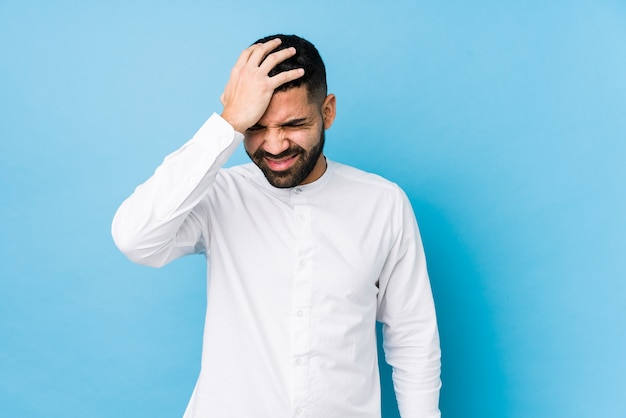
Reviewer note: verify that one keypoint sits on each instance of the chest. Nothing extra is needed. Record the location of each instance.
(338, 245)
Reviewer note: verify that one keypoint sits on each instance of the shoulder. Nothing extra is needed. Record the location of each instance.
(372, 197)
(247, 170)
(239, 173)
(363, 180)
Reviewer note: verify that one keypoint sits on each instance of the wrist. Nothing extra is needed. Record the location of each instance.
(237, 125)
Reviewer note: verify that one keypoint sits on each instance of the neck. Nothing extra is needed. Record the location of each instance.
(318, 170)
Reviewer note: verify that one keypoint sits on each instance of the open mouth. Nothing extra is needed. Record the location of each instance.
(280, 164)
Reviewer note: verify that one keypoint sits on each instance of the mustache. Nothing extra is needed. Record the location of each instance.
(292, 150)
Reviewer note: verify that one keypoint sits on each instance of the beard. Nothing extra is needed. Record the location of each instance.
(295, 174)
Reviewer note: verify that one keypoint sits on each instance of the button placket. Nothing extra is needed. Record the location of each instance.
(302, 287)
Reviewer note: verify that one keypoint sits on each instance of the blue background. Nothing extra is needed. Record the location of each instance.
(504, 123)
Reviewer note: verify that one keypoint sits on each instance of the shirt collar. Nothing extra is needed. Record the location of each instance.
(308, 188)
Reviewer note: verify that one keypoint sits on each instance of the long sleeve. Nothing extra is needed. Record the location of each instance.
(155, 225)
(407, 311)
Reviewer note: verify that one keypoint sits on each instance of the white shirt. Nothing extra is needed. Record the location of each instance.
(296, 281)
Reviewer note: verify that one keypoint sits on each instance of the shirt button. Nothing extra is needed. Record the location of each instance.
(297, 190)
(299, 362)
(301, 218)
(301, 264)
(300, 313)
(299, 411)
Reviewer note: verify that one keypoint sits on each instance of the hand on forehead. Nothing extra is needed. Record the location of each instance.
(250, 87)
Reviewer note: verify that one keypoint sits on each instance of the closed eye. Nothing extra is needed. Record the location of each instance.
(255, 128)
(296, 123)
(292, 124)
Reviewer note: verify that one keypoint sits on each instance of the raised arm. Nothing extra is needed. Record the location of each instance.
(163, 219)
(153, 226)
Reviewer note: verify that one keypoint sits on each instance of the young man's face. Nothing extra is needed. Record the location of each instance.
(287, 142)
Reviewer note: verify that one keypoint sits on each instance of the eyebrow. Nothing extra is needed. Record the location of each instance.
(292, 122)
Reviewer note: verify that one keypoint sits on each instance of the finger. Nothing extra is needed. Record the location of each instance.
(244, 57)
(262, 50)
(285, 77)
(275, 58)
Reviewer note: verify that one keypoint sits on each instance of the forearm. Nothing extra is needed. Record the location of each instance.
(415, 359)
(153, 226)
(411, 343)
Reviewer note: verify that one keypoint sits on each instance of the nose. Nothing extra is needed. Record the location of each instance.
(275, 141)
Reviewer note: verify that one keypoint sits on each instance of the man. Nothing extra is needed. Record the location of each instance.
(304, 254)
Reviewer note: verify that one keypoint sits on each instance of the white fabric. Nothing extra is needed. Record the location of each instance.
(296, 281)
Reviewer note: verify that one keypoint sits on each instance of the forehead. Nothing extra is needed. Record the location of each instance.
(289, 104)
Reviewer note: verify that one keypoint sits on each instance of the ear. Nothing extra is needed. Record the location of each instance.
(329, 110)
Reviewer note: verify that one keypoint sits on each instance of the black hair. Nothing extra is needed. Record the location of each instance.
(306, 57)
